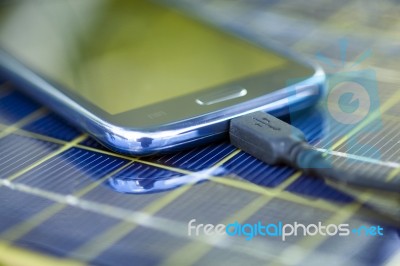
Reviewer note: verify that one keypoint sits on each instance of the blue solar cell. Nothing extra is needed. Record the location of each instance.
(71, 170)
(17, 152)
(141, 247)
(380, 249)
(15, 106)
(255, 171)
(58, 237)
(53, 126)
(196, 159)
(311, 123)
(17, 207)
(316, 187)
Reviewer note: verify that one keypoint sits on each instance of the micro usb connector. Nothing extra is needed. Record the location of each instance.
(274, 141)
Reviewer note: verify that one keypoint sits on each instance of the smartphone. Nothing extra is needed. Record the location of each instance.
(143, 77)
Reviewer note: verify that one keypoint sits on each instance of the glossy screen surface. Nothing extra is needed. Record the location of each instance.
(123, 55)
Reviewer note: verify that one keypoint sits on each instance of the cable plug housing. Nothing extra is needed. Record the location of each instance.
(274, 141)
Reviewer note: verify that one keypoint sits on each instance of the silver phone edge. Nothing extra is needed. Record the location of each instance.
(177, 136)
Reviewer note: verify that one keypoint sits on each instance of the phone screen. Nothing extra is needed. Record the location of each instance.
(123, 55)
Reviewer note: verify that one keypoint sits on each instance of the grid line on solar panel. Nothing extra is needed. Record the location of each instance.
(158, 165)
(347, 211)
(21, 152)
(23, 228)
(92, 249)
(45, 159)
(192, 252)
(339, 16)
(70, 171)
(8, 129)
(341, 215)
(46, 216)
(236, 184)
(97, 245)
(197, 159)
(309, 244)
(175, 169)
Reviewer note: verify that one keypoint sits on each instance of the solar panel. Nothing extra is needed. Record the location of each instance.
(65, 197)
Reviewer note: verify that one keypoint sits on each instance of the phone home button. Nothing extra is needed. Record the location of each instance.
(222, 95)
